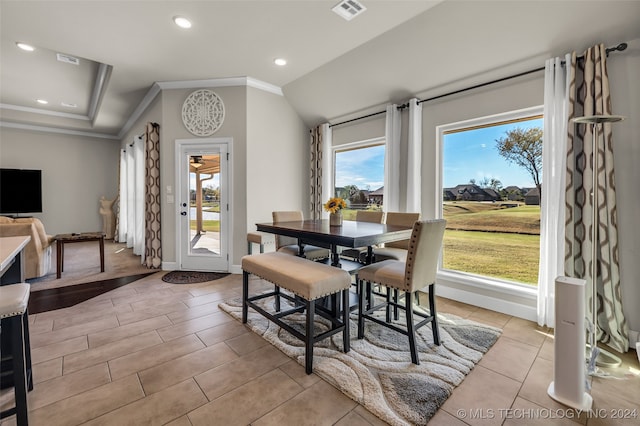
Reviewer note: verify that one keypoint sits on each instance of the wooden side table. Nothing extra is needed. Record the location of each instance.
(62, 239)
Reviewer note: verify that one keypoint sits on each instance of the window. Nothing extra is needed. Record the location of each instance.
(490, 186)
(359, 175)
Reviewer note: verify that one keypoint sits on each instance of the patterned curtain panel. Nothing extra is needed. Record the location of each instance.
(320, 189)
(589, 95)
(153, 247)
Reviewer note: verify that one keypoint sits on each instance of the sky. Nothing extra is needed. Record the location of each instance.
(363, 168)
(466, 155)
(473, 155)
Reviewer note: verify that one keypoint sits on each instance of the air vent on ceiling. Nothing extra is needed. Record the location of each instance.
(349, 9)
(68, 59)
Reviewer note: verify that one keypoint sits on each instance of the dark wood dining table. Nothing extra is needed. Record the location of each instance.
(351, 234)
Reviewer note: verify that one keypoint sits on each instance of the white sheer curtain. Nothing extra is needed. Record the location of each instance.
(552, 213)
(414, 158)
(132, 192)
(391, 200)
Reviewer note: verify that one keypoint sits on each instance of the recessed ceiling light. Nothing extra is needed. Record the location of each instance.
(182, 22)
(280, 62)
(25, 46)
(68, 105)
(42, 101)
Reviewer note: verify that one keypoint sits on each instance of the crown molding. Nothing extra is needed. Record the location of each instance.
(262, 85)
(154, 90)
(221, 82)
(46, 129)
(45, 112)
(140, 109)
(194, 84)
(99, 89)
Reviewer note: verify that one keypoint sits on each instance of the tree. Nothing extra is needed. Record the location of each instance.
(524, 148)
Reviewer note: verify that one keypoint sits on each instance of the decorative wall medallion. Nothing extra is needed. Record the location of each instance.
(203, 112)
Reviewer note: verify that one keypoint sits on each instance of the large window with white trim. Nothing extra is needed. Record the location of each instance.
(359, 175)
(490, 196)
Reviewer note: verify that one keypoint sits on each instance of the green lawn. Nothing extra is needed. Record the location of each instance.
(512, 257)
(207, 225)
(493, 240)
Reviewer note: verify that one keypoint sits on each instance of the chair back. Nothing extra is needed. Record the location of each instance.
(401, 219)
(369, 216)
(424, 250)
(286, 216)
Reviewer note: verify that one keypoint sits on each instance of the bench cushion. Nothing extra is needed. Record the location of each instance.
(14, 299)
(305, 278)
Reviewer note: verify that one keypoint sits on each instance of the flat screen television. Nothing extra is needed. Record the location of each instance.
(20, 191)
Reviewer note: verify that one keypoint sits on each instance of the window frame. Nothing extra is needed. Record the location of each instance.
(503, 287)
(350, 146)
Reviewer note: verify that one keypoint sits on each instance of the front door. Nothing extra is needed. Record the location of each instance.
(203, 205)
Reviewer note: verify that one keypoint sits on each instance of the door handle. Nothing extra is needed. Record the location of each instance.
(183, 213)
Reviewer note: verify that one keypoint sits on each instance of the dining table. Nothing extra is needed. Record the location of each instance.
(350, 234)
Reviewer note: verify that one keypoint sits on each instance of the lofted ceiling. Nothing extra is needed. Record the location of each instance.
(140, 44)
(393, 50)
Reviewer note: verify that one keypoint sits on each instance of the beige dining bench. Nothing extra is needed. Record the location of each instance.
(308, 282)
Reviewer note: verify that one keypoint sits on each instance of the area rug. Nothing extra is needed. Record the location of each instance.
(191, 277)
(377, 372)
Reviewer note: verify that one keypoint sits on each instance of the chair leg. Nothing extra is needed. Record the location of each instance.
(276, 289)
(19, 368)
(432, 311)
(346, 343)
(396, 315)
(245, 296)
(411, 328)
(309, 337)
(27, 351)
(388, 307)
(361, 307)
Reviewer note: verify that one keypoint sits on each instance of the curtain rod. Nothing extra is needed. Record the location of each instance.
(619, 48)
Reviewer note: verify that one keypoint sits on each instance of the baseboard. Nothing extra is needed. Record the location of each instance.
(634, 339)
(170, 266)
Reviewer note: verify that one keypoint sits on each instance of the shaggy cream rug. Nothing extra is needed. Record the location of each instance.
(378, 372)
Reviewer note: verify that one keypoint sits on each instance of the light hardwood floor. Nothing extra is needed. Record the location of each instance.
(157, 353)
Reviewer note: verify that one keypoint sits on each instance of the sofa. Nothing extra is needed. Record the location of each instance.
(37, 253)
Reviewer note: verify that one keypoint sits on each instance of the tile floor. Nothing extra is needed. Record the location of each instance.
(157, 353)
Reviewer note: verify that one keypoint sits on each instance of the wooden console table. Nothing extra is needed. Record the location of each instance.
(62, 239)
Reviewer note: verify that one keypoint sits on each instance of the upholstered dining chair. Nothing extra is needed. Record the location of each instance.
(418, 271)
(290, 245)
(363, 216)
(396, 250)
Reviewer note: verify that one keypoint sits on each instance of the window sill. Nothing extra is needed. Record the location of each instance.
(514, 299)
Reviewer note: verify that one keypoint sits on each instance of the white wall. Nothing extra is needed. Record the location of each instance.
(76, 172)
(277, 162)
(624, 72)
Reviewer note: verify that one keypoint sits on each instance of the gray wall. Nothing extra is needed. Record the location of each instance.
(171, 129)
(277, 163)
(76, 172)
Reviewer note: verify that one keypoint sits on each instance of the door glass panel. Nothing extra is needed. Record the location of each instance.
(204, 205)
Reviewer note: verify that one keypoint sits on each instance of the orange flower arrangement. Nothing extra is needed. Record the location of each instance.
(335, 204)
